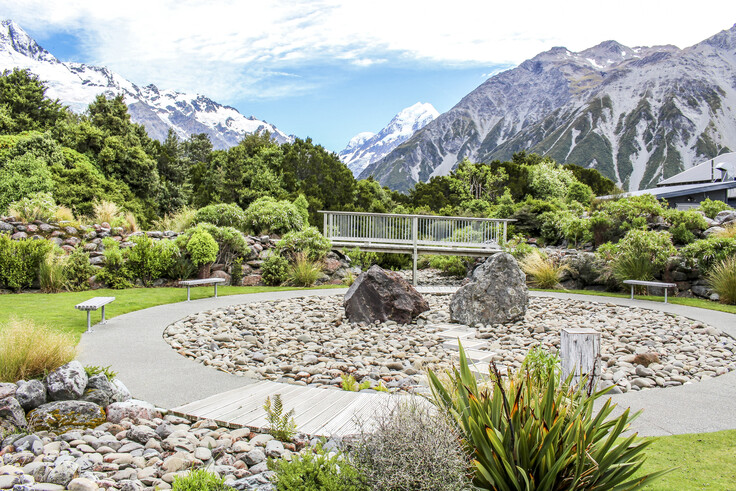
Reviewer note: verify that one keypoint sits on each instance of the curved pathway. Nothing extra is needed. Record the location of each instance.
(134, 347)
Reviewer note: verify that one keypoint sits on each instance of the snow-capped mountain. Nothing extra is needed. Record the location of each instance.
(366, 148)
(636, 114)
(77, 84)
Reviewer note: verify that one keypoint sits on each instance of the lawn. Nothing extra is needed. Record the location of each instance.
(690, 302)
(56, 310)
(702, 461)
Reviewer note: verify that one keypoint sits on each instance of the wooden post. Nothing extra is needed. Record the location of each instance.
(580, 353)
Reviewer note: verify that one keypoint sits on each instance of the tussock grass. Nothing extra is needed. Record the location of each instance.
(64, 213)
(176, 222)
(729, 232)
(544, 272)
(130, 224)
(304, 272)
(52, 272)
(105, 211)
(29, 350)
(722, 279)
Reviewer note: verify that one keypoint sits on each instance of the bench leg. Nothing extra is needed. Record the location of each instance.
(215, 290)
(89, 324)
(188, 299)
(665, 294)
(632, 292)
(103, 315)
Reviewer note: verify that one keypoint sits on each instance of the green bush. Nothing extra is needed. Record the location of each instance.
(550, 180)
(199, 480)
(40, 206)
(302, 205)
(231, 242)
(149, 260)
(690, 219)
(275, 270)
(22, 176)
(681, 235)
(361, 259)
(309, 241)
(221, 215)
(722, 278)
(711, 208)
(654, 247)
(268, 216)
(20, 261)
(114, 273)
(236, 271)
(202, 248)
(707, 252)
(528, 431)
(452, 265)
(316, 471)
(580, 193)
(77, 270)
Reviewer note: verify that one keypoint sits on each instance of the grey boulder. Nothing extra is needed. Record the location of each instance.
(63, 416)
(497, 293)
(66, 382)
(12, 416)
(99, 390)
(31, 394)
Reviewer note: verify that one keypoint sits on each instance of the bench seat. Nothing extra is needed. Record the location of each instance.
(660, 284)
(94, 304)
(203, 281)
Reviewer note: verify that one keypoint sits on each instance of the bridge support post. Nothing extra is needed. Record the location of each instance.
(414, 233)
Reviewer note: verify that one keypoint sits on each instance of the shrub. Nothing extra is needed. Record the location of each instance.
(114, 273)
(221, 215)
(431, 457)
(579, 192)
(316, 471)
(349, 383)
(40, 206)
(281, 424)
(236, 271)
(690, 219)
(523, 434)
(28, 350)
(20, 261)
(452, 265)
(303, 271)
(711, 208)
(199, 480)
(266, 215)
(51, 275)
(542, 364)
(361, 259)
(544, 271)
(275, 270)
(149, 260)
(77, 270)
(707, 252)
(302, 205)
(105, 211)
(550, 180)
(681, 234)
(202, 248)
(722, 279)
(231, 242)
(309, 241)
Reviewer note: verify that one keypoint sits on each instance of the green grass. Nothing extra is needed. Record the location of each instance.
(702, 461)
(690, 302)
(56, 310)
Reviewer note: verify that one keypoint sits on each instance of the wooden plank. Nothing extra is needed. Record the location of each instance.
(304, 400)
(247, 400)
(223, 398)
(254, 406)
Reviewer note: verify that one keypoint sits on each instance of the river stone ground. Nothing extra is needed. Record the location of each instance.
(307, 341)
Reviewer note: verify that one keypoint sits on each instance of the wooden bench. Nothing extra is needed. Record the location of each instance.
(94, 304)
(634, 283)
(205, 281)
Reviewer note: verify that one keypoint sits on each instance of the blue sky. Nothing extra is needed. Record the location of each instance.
(330, 69)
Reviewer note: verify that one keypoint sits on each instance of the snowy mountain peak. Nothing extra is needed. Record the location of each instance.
(365, 148)
(77, 85)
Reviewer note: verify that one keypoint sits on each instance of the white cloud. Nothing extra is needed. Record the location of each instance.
(246, 48)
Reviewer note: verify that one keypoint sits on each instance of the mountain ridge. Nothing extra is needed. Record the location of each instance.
(77, 84)
(635, 114)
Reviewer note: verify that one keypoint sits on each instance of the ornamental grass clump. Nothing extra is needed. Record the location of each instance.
(303, 271)
(532, 432)
(544, 271)
(105, 211)
(28, 350)
(722, 279)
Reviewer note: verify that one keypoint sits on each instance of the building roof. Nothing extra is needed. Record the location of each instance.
(704, 172)
(665, 192)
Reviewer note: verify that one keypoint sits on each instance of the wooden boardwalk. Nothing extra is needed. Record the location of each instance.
(317, 412)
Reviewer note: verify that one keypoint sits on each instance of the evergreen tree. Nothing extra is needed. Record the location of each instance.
(23, 105)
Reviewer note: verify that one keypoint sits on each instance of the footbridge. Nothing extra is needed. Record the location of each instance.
(415, 234)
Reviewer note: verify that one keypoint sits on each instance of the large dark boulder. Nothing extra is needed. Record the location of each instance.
(99, 390)
(497, 293)
(379, 295)
(31, 394)
(62, 416)
(12, 416)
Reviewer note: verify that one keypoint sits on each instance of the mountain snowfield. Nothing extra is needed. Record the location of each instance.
(76, 85)
(636, 114)
(366, 148)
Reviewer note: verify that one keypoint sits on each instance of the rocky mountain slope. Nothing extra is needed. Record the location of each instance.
(635, 114)
(77, 84)
(366, 148)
